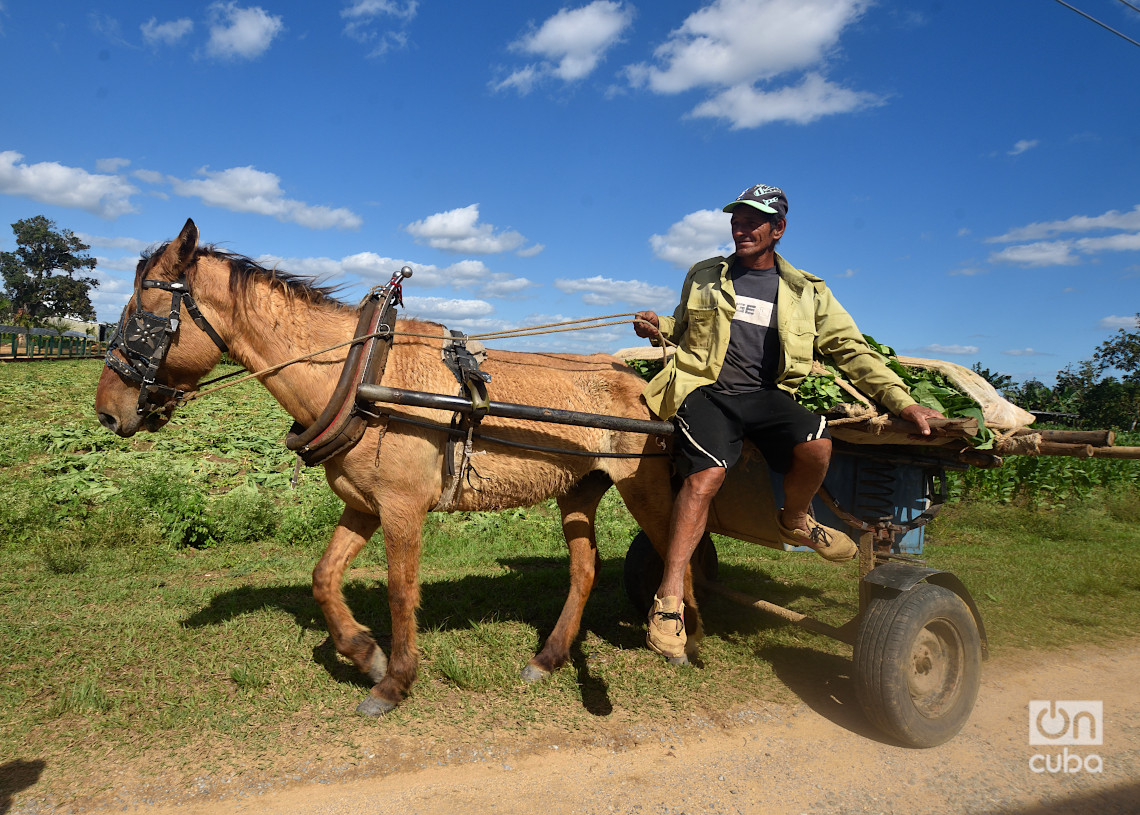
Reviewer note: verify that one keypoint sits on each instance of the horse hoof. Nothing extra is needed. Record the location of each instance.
(374, 706)
(532, 674)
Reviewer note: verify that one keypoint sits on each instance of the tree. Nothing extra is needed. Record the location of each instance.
(1002, 383)
(1122, 352)
(43, 277)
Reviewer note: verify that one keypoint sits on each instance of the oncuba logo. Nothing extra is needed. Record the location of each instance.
(1064, 723)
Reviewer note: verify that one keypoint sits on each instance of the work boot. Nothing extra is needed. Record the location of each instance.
(666, 635)
(830, 544)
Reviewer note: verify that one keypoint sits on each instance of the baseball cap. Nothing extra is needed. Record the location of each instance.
(764, 198)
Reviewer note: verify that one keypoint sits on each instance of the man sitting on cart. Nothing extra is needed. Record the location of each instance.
(746, 331)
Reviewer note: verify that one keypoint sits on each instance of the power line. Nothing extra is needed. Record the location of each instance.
(1134, 8)
(1098, 22)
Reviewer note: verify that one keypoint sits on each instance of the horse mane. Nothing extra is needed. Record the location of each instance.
(244, 271)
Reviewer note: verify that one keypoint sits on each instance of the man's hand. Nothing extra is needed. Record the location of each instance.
(645, 324)
(917, 415)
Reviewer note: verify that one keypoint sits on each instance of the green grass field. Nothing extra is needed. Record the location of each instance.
(156, 601)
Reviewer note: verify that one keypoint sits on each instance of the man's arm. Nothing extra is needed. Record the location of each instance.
(839, 338)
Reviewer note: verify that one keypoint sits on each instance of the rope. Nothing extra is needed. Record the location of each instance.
(547, 328)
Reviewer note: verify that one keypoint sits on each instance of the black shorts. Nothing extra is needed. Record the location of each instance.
(712, 427)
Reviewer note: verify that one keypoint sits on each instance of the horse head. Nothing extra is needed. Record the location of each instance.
(163, 345)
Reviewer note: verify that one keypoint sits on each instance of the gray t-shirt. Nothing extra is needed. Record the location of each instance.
(753, 356)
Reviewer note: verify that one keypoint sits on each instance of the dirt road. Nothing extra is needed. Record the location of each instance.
(816, 756)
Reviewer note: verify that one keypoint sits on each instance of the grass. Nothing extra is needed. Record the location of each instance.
(156, 602)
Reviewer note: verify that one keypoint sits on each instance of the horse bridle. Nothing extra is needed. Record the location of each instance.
(143, 339)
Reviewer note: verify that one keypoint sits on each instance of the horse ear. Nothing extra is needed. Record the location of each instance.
(186, 243)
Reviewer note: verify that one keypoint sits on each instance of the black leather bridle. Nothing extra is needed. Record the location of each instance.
(143, 339)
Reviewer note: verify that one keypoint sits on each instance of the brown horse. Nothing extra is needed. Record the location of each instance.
(395, 475)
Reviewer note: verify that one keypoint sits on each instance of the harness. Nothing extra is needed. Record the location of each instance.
(343, 421)
(144, 340)
(464, 365)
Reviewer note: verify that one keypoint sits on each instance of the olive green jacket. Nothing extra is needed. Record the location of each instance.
(810, 322)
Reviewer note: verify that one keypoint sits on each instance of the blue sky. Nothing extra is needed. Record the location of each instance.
(965, 175)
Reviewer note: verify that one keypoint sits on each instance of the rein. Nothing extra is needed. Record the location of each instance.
(386, 332)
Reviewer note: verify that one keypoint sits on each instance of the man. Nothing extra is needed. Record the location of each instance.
(746, 331)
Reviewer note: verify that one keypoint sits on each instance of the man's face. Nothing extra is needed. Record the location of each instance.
(755, 237)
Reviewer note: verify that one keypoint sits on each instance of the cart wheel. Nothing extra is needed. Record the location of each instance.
(918, 664)
(644, 568)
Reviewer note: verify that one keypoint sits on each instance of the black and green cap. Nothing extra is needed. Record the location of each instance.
(764, 198)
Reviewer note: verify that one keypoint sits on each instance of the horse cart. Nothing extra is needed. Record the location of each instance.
(918, 637)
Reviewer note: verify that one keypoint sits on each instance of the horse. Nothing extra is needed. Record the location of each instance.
(397, 472)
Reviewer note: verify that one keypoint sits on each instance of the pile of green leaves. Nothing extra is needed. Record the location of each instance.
(820, 393)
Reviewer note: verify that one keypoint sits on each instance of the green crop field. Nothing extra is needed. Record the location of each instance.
(155, 609)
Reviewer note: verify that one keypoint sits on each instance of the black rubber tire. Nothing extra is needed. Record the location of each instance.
(643, 569)
(918, 664)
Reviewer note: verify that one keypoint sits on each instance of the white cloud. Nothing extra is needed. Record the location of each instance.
(1022, 146)
(168, 33)
(50, 182)
(605, 291)
(366, 16)
(732, 45)
(733, 42)
(246, 189)
(149, 176)
(126, 244)
(244, 33)
(1113, 322)
(1067, 252)
(570, 44)
(111, 165)
(968, 271)
(459, 230)
(1113, 219)
(698, 235)
(373, 268)
(1044, 253)
(815, 97)
(442, 309)
(1026, 352)
(950, 350)
(531, 251)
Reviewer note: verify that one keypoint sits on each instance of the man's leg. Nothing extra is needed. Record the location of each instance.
(690, 516)
(803, 480)
(801, 483)
(666, 634)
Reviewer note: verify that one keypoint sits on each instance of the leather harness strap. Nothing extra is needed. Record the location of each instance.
(341, 424)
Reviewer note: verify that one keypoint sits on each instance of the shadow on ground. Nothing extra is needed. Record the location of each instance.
(15, 777)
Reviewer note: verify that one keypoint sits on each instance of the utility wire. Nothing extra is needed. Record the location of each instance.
(1134, 8)
(1102, 25)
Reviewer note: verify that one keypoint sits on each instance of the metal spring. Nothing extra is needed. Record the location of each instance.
(874, 500)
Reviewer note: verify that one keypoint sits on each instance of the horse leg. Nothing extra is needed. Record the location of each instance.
(578, 506)
(403, 538)
(649, 498)
(350, 638)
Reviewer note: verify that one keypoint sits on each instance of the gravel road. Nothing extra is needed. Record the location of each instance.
(815, 756)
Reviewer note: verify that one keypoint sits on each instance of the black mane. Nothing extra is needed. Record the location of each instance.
(244, 269)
